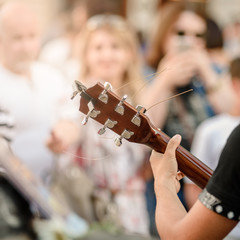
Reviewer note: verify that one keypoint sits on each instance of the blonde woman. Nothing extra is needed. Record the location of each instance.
(109, 52)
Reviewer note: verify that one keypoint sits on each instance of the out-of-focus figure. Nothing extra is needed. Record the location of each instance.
(110, 53)
(232, 38)
(60, 51)
(33, 93)
(220, 58)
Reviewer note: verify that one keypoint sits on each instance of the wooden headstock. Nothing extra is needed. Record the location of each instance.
(125, 118)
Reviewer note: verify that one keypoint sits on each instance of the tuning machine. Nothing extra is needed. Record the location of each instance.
(77, 88)
(120, 108)
(108, 124)
(125, 134)
(136, 119)
(103, 95)
(91, 113)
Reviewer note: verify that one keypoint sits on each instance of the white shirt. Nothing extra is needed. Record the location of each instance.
(57, 53)
(211, 136)
(34, 105)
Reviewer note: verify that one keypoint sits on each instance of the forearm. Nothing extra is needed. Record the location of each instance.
(191, 193)
(169, 212)
(172, 220)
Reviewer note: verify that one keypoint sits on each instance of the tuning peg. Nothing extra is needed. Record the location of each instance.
(108, 124)
(120, 108)
(77, 88)
(136, 119)
(103, 96)
(125, 134)
(91, 113)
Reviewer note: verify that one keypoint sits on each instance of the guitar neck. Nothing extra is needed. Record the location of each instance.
(188, 164)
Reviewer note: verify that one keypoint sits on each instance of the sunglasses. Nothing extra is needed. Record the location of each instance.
(182, 33)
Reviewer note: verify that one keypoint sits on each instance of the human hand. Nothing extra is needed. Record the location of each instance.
(165, 168)
(178, 69)
(63, 135)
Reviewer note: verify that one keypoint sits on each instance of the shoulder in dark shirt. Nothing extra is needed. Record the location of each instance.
(222, 193)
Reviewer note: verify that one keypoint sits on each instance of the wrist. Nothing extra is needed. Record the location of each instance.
(211, 80)
(166, 85)
(165, 184)
(214, 85)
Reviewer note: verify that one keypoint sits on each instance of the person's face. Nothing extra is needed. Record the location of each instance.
(107, 57)
(187, 32)
(19, 43)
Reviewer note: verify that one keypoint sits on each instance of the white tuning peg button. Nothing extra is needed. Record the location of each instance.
(120, 108)
(136, 119)
(108, 124)
(103, 95)
(125, 134)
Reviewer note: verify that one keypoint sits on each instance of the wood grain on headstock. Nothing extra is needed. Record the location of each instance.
(141, 134)
(146, 133)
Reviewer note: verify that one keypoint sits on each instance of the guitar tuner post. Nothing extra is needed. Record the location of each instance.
(91, 113)
(103, 95)
(136, 119)
(78, 87)
(126, 134)
(108, 124)
(120, 108)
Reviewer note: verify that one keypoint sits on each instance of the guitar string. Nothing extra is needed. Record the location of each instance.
(152, 75)
(92, 159)
(86, 158)
(190, 90)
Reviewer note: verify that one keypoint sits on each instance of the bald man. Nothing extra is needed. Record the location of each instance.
(32, 92)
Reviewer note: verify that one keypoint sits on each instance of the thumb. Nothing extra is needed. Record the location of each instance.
(172, 146)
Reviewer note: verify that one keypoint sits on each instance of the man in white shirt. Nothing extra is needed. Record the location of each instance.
(33, 93)
(211, 136)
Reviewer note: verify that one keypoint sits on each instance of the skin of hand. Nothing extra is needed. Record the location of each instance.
(172, 220)
(164, 166)
(175, 70)
(64, 134)
(183, 65)
(180, 67)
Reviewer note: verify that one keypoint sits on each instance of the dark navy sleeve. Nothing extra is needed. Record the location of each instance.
(222, 193)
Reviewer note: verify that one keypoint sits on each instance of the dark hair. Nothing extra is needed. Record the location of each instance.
(235, 68)
(166, 17)
(214, 36)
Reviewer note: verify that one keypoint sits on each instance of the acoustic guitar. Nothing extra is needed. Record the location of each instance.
(100, 103)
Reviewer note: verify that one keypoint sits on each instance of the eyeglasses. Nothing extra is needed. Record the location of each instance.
(106, 19)
(182, 33)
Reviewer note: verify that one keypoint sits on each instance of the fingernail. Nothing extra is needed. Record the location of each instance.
(178, 137)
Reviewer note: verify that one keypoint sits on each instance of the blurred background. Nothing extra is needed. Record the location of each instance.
(139, 12)
(76, 45)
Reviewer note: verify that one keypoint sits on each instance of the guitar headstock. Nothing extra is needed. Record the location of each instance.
(103, 105)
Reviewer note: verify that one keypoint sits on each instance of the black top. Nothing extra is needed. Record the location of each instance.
(222, 193)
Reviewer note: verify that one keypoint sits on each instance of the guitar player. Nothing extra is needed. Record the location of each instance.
(215, 213)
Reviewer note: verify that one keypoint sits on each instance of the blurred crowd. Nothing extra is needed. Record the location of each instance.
(107, 190)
